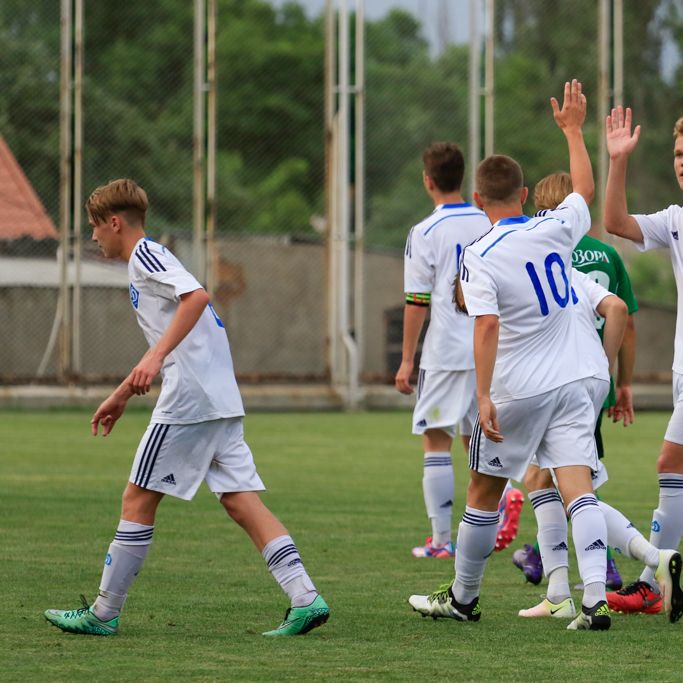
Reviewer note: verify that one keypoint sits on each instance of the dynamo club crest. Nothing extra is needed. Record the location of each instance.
(134, 297)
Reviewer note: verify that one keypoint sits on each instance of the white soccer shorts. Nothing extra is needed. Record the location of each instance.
(558, 426)
(175, 459)
(446, 399)
(674, 430)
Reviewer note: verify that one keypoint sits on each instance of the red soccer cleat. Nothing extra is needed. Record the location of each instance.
(636, 598)
(510, 508)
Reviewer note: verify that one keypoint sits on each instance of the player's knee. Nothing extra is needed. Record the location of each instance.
(236, 505)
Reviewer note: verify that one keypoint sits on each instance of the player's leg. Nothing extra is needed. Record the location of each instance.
(123, 562)
(476, 540)
(552, 542)
(666, 566)
(589, 532)
(568, 447)
(234, 479)
(445, 401)
(132, 539)
(438, 488)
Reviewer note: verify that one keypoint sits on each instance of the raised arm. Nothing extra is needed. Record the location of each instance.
(570, 120)
(620, 143)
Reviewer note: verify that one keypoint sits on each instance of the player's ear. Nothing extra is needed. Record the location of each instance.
(523, 195)
(477, 199)
(428, 182)
(115, 223)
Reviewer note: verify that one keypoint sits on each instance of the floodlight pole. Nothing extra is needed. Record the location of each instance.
(603, 102)
(65, 183)
(77, 185)
(212, 256)
(199, 142)
(474, 94)
(489, 72)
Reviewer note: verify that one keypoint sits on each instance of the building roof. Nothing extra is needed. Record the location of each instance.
(22, 214)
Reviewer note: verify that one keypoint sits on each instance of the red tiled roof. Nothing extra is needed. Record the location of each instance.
(22, 214)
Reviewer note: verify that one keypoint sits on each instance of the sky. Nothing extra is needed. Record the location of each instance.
(443, 20)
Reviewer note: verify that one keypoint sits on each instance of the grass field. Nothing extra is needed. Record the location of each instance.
(349, 489)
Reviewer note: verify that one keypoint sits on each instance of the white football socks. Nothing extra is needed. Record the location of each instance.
(122, 564)
(552, 541)
(476, 541)
(438, 486)
(589, 532)
(667, 519)
(284, 563)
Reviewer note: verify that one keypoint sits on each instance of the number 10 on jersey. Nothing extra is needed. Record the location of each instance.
(553, 265)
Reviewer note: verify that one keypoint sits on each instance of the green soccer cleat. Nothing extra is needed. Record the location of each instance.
(82, 620)
(300, 620)
(596, 618)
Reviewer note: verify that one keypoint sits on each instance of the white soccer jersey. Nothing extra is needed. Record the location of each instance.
(521, 272)
(432, 258)
(589, 294)
(198, 377)
(661, 230)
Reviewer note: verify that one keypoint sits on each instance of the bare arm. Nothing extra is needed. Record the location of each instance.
(189, 310)
(620, 144)
(486, 328)
(570, 120)
(413, 320)
(623, 409)
(615, 313)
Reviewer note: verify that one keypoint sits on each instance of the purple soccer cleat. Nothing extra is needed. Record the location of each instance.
(529, 561)
(613, 582)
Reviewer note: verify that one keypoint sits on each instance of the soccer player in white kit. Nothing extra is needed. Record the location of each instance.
(446, 389)
(195, 433)
(517, 283)
(590, 298)
(663, 229)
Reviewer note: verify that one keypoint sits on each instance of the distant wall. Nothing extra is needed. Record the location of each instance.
(272, 299)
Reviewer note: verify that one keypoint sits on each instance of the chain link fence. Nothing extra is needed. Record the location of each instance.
(267, 258)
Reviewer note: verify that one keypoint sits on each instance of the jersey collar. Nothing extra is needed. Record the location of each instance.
(512, 220)
(452, 206)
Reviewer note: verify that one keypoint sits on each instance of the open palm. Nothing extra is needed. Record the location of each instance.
(620, 140)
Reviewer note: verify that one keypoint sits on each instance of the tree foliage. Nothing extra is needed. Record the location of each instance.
(270, 66)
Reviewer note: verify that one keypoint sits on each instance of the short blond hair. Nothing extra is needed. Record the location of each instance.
(551, 190)
(118, 196)
(678, 128)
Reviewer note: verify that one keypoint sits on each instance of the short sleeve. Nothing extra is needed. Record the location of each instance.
(624, 290)
(418, 264)
(658, 229)
(156, 264)
(478, 287)
(574, 212)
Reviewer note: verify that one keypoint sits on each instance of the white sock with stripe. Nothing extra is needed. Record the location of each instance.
(122, 564)
(552, 541)
(284, 563)
(438, 486)
(589, 532)
(476, 541)
(667, 519)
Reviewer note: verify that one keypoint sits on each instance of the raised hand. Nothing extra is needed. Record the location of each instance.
(620, 140)
(573, 112)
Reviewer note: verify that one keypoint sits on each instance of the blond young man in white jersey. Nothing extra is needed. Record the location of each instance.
(532, 398)
(591, 298)
(196, 430)
(446, 389)
(663, 229)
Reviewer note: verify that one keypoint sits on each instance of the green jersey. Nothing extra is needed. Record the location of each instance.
(602, 263)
